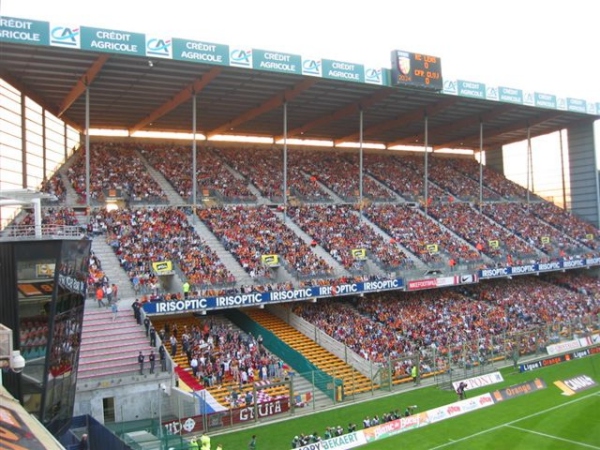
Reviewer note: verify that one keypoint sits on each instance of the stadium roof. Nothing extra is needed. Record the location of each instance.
(141, 93)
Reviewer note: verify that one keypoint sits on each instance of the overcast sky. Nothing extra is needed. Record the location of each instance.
(553, 49)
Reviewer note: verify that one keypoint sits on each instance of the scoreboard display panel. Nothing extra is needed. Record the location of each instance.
(417, 69)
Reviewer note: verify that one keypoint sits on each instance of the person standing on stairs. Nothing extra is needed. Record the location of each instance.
(141, 362)
(173, 346)
(162, 354)
(147, 325)
(137, 313)
(100, 296)
(115, 292)
(109, 294)
(152, 336)
(151, 358)
(115, 310)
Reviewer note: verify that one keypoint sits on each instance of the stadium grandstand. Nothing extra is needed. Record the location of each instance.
(276, 240)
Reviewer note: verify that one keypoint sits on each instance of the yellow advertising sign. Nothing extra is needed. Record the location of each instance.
(432, 248)
(270, 260)
(359, 253)
(162, 267)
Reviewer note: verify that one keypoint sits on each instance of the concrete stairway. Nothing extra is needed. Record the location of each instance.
(173, 197)
(487, 259)
(260, 200)
(386, 188)
(110, 349)
(336, 198)
(418, 263)
(108, 260)
(226, 257)
(112, 268)
(72, 198)
(339, 270)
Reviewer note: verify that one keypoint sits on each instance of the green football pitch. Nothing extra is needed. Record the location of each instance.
(544, 419)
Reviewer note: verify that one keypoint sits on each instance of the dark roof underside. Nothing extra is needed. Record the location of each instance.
(128, 93)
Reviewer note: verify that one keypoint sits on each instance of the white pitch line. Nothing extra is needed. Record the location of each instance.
(552, 437)
(513, 421)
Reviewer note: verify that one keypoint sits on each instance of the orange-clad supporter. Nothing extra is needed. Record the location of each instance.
(250, 232)
(115, 167)
(388, 325)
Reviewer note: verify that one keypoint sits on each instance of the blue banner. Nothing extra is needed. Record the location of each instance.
(576, 105)
(24, 31)
(499, 272)
(471, 89)
(113, 41)
(261, 298)
(510, 95)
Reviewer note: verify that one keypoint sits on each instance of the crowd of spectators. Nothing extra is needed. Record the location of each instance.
(61, 216)
(457, 184)
(421, 235)
(484, 234)
(142, 236)
(339, 230)
(55, 186)
(516, 218)
(405, 181)
(339, 172)
(466, 323)
(251, 232)
(582, 284)
(266, 173)
(219, 354)
(491, 179)
(115, 168)
(53, 221)
(571, 225)
(212, 174)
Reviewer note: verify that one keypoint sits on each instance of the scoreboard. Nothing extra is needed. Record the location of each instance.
(416, 69)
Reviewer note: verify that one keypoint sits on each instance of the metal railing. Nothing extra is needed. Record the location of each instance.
(32, 232)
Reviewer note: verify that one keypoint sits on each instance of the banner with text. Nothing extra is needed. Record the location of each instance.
(261, 298)
(499, 272)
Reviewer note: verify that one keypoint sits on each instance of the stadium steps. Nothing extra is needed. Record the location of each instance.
(336, 198)
(418, 263)
(241, 276)
(260, 199)
(384, 186)
(173, 197)
(460, 239)
(538, 252)
(354, 381)
(110, 349)
(112, 268)
(72, 198)
(318, 250)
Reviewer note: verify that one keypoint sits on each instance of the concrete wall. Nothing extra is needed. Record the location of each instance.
(135, 401)
(494, 159)
(583, 172)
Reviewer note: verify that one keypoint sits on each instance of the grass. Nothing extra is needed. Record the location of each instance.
(544, 419)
